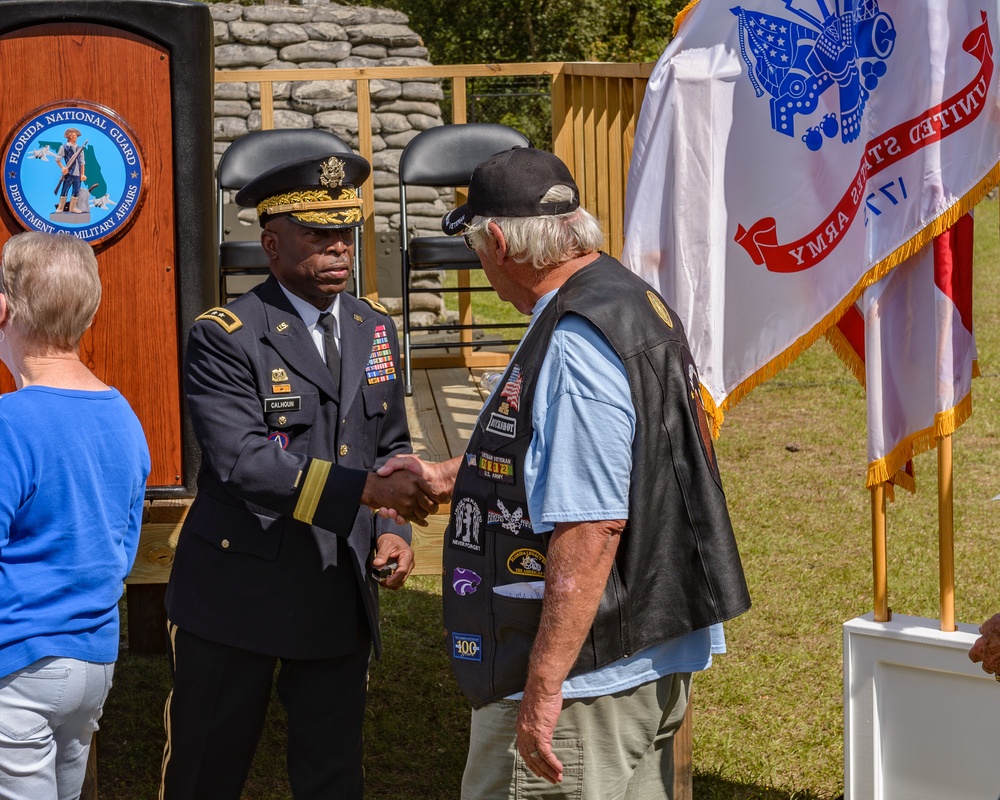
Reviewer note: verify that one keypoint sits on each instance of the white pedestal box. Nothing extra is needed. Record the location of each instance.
(921, 721)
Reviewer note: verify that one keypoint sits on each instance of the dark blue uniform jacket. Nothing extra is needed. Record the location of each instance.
(274, 554)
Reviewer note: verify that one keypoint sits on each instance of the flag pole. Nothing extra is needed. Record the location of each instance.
(879, 564)
(946, 533)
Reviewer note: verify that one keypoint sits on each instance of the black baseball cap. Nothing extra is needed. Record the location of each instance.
(512, 184)
(317, 192)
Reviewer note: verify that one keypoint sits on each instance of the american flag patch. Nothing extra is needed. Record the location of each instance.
(512, 389)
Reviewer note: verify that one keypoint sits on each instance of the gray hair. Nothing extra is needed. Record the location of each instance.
(52, 287)
(544, 241)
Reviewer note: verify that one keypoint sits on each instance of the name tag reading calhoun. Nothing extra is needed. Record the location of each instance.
(293, 403)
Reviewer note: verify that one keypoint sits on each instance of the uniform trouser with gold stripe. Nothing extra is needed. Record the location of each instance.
(215, 714)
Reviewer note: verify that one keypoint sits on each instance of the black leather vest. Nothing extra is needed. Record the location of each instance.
(677, 568)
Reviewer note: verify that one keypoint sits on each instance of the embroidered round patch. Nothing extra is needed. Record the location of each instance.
(280, 437)
(526, 561)
(659, 308)
(73, 167)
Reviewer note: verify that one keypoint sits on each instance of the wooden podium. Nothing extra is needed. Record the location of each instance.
(133, 78)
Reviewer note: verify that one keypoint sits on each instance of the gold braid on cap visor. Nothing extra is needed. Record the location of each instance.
(314, 205)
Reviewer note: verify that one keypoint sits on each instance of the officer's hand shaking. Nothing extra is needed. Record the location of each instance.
(407, 493)
(439, 478)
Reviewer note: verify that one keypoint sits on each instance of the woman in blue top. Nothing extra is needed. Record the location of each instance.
(74, 462)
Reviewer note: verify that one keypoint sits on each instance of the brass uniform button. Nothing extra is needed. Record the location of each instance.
(282, 419)
(343, 449)
(225, 544)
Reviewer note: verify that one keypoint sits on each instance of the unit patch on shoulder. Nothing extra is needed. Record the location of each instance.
(659, 308)
(381, 309)
(226, 318)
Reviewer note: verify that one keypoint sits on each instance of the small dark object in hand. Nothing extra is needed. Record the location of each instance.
(383, 572)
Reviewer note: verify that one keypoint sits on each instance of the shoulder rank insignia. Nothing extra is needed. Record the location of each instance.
(226, 318)
(381, 309)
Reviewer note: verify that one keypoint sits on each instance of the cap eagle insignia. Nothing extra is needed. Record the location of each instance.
(333, 172)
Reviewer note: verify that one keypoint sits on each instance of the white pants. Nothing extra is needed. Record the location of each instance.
(48, 715)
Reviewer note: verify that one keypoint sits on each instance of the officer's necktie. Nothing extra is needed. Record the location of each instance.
(329, 325)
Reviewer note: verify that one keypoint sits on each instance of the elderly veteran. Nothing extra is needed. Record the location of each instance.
(294, 399)
(590, 553)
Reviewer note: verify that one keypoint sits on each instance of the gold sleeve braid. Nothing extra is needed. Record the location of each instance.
(312, 490)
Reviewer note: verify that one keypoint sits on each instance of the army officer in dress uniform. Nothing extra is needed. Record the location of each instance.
(295, 399)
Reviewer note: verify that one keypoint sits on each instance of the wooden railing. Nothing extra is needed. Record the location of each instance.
(594, 111)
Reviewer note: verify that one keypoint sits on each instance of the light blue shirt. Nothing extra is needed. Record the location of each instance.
(583, 404)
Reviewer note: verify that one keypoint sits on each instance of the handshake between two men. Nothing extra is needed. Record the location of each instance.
(406, 488)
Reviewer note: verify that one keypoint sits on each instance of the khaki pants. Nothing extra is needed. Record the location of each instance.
(615, 747)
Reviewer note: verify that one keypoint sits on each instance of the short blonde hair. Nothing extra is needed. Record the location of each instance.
(544, 241)
(52, 287)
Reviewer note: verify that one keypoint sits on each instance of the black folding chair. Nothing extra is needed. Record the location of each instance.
(438, 157)
(240, 253)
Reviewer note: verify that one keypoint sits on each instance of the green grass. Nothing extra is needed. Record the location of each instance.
(768, 721)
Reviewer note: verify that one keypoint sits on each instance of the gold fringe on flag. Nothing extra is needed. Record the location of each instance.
(846, 353)
(712, 411)
(902, 479)
(882, 268)
(945, 423)
(681, 15)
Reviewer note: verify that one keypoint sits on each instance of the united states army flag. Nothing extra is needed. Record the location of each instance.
(791, 153)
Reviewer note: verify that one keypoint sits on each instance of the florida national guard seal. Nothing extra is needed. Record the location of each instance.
(73, 167)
